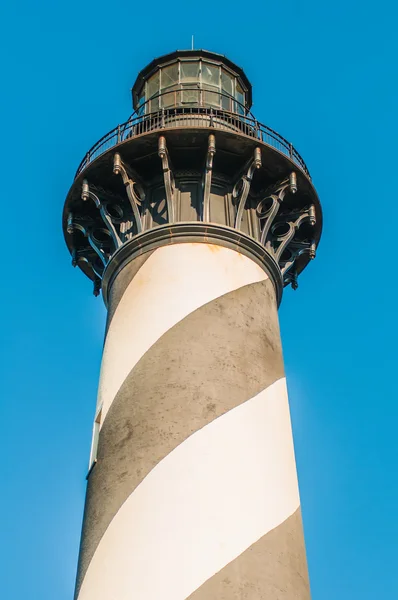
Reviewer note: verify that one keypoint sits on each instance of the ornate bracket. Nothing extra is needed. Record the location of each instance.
(296, 249)
(97, 286)
(168, 178)
(269, 206)
(91, 232)
(291, 278)
(69, 223)
(86, 194)
(211, 150)
(99, 240)
(284, 231)
(242, 187)
(135, 201)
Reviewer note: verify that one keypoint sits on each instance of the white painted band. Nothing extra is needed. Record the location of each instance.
(173, 282)
(204, 504)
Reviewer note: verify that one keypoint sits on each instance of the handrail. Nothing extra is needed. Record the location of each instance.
(192, 116)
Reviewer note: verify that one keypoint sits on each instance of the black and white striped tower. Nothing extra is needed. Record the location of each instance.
(191, 217)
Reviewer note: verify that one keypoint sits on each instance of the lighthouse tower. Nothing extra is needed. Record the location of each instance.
(190, 218)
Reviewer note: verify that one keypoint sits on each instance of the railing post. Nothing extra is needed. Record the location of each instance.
(211, 118)
(291, 150)
(118, 134)
(88, 158)
(257, 129)
(162, 119)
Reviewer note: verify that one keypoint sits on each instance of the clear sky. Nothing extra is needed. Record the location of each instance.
(325, 77)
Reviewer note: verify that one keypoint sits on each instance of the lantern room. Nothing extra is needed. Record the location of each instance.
(192, 78)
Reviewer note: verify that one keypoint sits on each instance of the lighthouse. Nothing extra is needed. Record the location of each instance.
(189, 219)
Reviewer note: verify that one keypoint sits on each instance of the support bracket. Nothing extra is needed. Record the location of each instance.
(242, 187)
(168, 178)
(211, 150)
(119, 168)
(87, 193)
(268, 207)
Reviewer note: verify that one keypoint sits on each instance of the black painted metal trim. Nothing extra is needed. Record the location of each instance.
(192, 232)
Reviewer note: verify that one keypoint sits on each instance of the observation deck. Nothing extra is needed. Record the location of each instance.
(199, 116)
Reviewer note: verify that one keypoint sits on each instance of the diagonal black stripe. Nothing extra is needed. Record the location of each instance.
(273, 568)
(217, 357)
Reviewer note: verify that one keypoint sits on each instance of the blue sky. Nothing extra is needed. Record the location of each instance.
(325, 77)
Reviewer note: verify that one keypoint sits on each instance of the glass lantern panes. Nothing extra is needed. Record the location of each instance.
(169, 75)
(226, 83)
(153, 85)
(190, 96)
(141, 106)
(169, 99)
(227, 103)
(192, 82)
(189, 72)
(154, 104)
(210, 74)
(211, 99)
(240, 98)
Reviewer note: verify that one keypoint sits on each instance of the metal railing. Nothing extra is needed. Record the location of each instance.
(196, 116)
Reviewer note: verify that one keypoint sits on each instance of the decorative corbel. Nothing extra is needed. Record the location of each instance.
(88, 226)
(120, 169)
(74, 257)
(307, 216)
(242, 187)
(84, 255)
(97, 286)
(288, 270)
(88, 193)
(269, 206)
(211, 150)
(168, 178)
(292, 279)
(69, 224)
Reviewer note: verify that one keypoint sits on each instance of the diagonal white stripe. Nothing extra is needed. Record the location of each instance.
(173, 282)
(216, 494)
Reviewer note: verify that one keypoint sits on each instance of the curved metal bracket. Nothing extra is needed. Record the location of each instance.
(120, 169)
(86, 194)
(69, 224)
(306, 216)
(297, 250)
(97, 286)
(211, 150)
(168, 178)
(86, 227)
(289, 272)
(292, 279)
(245, 181)
(97, 249)
(276, 193)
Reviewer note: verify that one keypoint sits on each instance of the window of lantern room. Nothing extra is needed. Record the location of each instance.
(211, 84)
(141, 104)
(240, 97)
(192, 83)
(189, 77)
(153, 92)
(227, 88)
(190, 72)
(169, 81)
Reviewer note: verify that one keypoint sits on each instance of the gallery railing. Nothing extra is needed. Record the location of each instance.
(196, 115)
